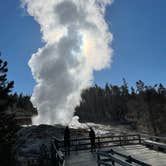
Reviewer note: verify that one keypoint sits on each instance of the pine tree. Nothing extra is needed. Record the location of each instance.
(7, 123)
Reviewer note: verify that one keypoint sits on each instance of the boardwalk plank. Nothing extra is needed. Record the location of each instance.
(140, 152)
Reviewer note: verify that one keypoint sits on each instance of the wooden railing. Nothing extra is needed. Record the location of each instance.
(153, 138)
(102, 141)
(111, 158)
(57, 154)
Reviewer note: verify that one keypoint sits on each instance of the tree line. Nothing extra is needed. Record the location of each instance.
(22, 102)
(9, 105)
(142, 107)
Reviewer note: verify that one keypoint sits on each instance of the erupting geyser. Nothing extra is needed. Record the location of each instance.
(77, 42)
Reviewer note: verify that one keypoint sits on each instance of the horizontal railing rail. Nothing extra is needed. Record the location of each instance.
(155, 145)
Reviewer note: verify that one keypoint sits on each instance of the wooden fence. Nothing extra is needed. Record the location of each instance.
(111, 157)
(101, 142)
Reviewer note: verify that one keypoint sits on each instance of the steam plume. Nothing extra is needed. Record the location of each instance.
(77, 42)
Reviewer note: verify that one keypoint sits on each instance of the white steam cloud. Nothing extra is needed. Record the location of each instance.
(77, 42)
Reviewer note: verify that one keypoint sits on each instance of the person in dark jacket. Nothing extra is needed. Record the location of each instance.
(67, 140)
(92, 139)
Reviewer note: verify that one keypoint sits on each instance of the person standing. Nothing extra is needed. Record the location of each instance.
(92, 139)
(67, 140)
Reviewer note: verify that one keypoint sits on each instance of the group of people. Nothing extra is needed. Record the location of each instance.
(67, 137)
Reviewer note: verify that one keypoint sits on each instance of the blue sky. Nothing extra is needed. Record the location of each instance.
(138, 27)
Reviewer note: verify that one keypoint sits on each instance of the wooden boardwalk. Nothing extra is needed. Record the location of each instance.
(81, 158)
(140, 152)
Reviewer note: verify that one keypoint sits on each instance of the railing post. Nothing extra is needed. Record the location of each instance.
(98, 159)
(113, 163)
(120, 141)
(76, 143)
(98, 138)
(129, 159)
(112, 153)
(139, 137)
